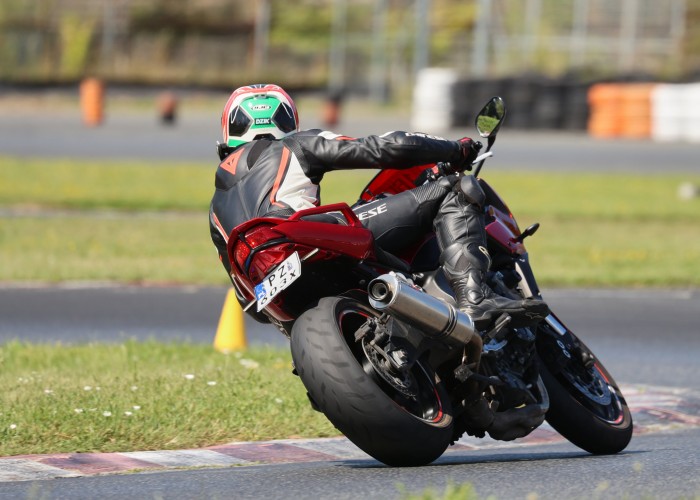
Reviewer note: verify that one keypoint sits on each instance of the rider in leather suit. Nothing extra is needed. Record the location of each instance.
(269, 168)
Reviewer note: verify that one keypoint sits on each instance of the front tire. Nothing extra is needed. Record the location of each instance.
(586, 404)
(385, 422)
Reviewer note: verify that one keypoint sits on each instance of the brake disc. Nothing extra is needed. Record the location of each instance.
(402, 381)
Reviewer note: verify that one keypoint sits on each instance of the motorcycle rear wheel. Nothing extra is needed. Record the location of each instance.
(586, 404)
(391, 426)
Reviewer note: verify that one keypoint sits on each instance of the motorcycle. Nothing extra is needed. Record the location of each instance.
(384, 353)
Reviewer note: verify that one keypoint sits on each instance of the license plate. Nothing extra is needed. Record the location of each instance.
(279, 279)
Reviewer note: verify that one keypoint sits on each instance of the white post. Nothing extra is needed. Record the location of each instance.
(628, 34)
(261, 35)
(421, 54)
(533, 14)
(577, 49)
(378, 81)
(338, 42)
(480, 49)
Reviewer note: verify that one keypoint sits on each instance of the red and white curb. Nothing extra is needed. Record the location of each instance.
(655, 409)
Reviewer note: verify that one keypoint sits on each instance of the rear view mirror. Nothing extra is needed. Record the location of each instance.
(489, 119)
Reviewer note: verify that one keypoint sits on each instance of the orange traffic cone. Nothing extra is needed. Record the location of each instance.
(230, 334)
(92, 101)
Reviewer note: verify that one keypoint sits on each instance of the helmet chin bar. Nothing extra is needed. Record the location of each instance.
(264, 136)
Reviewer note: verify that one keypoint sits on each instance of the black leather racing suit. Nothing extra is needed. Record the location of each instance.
(275, 178)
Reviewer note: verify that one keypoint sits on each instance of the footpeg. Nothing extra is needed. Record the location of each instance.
(463, 372)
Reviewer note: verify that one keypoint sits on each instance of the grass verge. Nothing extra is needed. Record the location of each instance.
(572, 251)
(129, 185)
(147, 396)
(118, 247)
(597, 229)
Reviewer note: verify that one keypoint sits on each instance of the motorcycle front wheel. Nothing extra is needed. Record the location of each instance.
(401, 419)
(586, 404)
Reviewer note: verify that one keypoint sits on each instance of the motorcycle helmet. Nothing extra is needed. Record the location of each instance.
(258, 111)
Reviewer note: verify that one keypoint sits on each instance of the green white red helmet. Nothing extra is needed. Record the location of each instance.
(258, 111)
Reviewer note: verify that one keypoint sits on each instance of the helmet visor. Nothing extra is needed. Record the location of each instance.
(239, 122)
(284, 118)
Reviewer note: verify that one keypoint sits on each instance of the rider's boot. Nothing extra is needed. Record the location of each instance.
(475, 297)
(461, 234)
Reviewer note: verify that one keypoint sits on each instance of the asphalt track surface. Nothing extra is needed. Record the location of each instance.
(661, 462)
(663, 466)
(40, 131)
(647, 338)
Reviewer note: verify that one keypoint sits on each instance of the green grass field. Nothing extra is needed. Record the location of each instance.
(147, 395)
(148, 223)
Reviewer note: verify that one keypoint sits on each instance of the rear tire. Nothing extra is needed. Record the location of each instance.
(392, 427)
(586, 405)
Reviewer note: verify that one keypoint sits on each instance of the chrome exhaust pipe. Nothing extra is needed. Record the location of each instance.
(432, 316)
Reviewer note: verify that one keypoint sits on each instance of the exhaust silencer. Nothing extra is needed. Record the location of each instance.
(434, 317)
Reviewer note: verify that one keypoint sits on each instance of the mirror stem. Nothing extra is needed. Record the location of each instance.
(489, 143)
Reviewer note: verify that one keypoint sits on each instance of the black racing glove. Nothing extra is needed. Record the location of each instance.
(470, 150)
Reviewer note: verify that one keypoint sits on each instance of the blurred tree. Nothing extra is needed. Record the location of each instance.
(451, 22)
(75, 35)
(691, 47)
(200, 41)
(300, 27)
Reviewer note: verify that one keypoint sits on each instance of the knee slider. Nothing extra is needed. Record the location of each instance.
(472, 191)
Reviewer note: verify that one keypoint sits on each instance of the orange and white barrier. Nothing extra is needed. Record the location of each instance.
(662, 112)
(433, 103)
(676, 111)
(605, 118)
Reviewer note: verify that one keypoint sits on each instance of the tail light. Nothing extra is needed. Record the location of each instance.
(250, 241)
